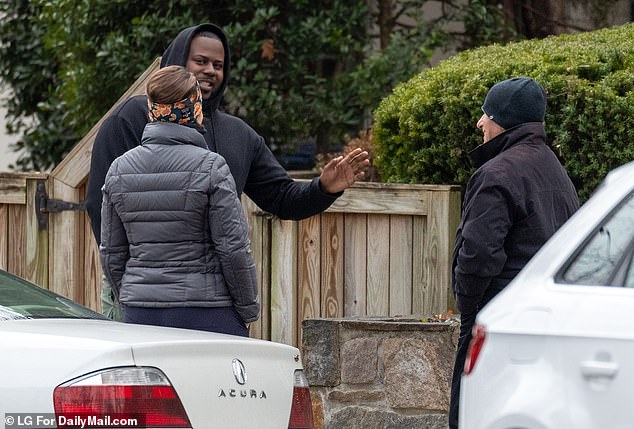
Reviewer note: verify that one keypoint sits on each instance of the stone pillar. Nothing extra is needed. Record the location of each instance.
(379, 373)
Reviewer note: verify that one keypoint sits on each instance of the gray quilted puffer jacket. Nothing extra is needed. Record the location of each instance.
(173, 233)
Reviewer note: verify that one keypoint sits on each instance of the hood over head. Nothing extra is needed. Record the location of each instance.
(178, 51)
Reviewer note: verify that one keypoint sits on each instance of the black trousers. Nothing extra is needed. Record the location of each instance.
(466, 326)
(224, 320)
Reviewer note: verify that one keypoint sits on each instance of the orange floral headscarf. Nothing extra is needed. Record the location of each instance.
(188, 111)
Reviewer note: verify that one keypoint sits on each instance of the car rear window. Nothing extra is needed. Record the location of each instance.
(605, 258)
(20, 299)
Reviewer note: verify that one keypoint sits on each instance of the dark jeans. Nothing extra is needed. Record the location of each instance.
(224, 320)
(466, 325)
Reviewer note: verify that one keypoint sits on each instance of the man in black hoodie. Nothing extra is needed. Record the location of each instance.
(204, 51)
(517, 198)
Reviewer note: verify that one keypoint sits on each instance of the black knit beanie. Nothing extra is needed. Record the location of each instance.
(515, 101)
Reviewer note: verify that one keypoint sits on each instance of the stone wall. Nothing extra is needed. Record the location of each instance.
(379, 373)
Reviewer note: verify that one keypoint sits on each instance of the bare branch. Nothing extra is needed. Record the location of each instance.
(399, 13)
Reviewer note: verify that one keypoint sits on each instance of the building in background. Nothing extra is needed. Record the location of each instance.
(7, 156)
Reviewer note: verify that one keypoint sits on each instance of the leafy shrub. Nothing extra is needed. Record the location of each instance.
(362, 141)
(301, 70)
(424, 131)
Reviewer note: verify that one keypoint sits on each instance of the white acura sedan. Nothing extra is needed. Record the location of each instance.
(62, 365)
(555, 349)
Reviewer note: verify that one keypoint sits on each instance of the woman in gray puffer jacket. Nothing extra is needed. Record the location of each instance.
(174, 238)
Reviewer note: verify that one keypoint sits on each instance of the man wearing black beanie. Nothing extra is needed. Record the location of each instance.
(517, 198)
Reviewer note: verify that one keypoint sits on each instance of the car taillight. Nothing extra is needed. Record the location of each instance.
(302, 406)
(139, 394)
(475, 346)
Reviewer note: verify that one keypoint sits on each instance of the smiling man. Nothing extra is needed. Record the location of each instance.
(206, 60)
(204, 50)
(516, 199)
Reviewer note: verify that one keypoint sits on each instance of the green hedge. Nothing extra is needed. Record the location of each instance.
(424, 131)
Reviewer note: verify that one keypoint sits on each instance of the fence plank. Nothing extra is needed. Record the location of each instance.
(452, 221)
(379, 200)
(17, 239)
(36, 258)
(309, 268)
(93, 273)
(12, 189)
(259, 233)
(400, 265)
(355, 264)
(65, 242)
(255, 235)
(378, 265)
(4, 236)
(283, 281)
(332, 265)
(438, 251)
(420, 282)
(89, 257)
(266, 278)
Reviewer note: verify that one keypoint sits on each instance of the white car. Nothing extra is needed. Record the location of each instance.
(555, 349)
(62, 365)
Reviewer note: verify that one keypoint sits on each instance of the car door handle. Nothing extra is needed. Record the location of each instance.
(599, 369)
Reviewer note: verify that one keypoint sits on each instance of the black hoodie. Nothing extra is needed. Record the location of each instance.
(254, 168)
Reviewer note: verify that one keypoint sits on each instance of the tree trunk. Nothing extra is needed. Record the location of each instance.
(385, 21)
(538, 18)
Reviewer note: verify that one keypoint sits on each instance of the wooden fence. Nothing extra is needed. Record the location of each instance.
(23, 245)
(380, 250)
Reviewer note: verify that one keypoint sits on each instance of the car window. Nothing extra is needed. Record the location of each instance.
(609, 248)
(20, 299)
